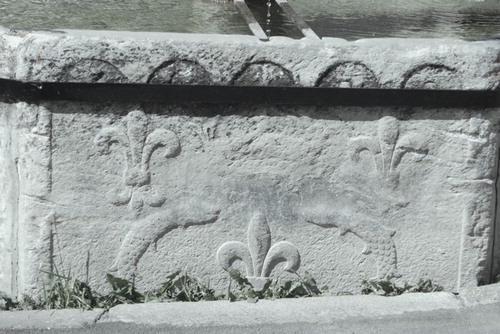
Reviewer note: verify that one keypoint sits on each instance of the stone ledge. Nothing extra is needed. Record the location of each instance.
(223, 314)
(483, 295)
(48, 319)
(302, 310)
(140, 57)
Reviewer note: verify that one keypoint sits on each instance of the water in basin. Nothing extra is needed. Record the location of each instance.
(351, 19)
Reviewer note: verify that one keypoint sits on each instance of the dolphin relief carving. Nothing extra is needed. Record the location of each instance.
(137, 147)
(148, 230)
(136, 190)
(387, 150)
(258, 256)
(377, 238)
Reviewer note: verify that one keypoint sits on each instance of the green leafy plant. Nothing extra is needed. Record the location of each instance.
(25, 302)
(65, 291)
(9, 303)
(305, 286)
(302, 287)
(426, 286)
(28, 303)
(246, 289)
(388, 287)
(123, 292)
(179, 286)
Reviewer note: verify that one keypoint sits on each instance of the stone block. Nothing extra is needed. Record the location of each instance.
(141, 190)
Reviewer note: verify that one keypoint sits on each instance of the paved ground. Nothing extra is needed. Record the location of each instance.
(473, 311)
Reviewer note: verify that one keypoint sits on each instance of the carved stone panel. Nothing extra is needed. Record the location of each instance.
(141, 194)
(141, 190)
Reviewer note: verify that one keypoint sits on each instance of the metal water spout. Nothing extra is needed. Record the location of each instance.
(287, 9)
(299, 21)
(250, 20)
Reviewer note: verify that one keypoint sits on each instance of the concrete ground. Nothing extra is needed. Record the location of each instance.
(473, 311)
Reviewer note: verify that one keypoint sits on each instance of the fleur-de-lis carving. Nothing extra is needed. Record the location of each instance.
(138, 147)
(389, 148)
(258, 256)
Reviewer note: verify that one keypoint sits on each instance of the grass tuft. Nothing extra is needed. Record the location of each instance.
(388, 287)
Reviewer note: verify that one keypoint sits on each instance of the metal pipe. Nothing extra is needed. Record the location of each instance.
(250, 20)
(299, 22)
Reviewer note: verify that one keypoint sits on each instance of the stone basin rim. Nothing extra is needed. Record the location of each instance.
(273, 40)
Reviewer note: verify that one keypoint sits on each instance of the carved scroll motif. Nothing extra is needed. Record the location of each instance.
(431, 76)
(180, 72)
(348, 75)
(93, 70)
(263, 73)
(258, 256)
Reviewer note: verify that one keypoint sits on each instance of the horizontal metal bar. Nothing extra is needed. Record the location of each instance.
(250, 20)
(299, 22)
(12, 90)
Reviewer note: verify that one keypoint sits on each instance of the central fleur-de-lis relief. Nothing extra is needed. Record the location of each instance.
(389, 148)
(258, 256)
(138, 147)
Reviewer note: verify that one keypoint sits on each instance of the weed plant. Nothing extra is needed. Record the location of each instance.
(388, 287)
(181, 287)
(64, 291)
(9, 304)
(302, 287)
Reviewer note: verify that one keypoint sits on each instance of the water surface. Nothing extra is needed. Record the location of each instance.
(334, 18)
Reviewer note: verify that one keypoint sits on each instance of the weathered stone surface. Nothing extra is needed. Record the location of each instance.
(281, 311)
(142, 195)
(264, 74)
(488, 294)
(44, 320)
(178, 58)
(345, 193)
(430, 77)
(8, 44)
(180, 72)
(495, 271)
(348, 75)
(90, 70)
(471, 307)
(8, 200)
